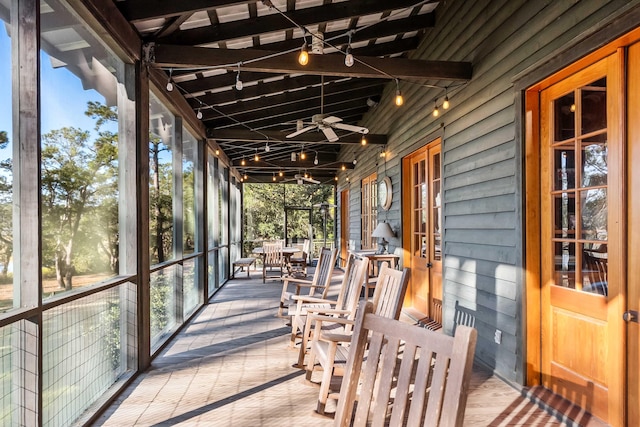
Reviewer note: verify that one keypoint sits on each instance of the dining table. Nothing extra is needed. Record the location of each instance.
(287, 252)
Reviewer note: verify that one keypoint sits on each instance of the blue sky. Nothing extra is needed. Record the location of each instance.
(63, 100)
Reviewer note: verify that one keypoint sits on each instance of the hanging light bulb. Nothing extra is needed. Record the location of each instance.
(256, 157)
(348, 59)
(343, 167)
(445, 103)
(280, 174)
(199, 114)
(239, 84)
(399, 100)
(436, 112)
(293, 157)
(246, 176)
(169, 82)
(303, 156)
(355, 162)
(315, 161)
(363, 141)
(217, 152)
(347, 178)
(303, 57)
(243, 161)
(274, 177)
(335, 178)
(306, 175)
(266, 147)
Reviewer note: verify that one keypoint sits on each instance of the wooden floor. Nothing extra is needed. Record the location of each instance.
(231, 366)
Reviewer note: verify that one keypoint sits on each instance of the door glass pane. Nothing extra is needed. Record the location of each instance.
(593, 206)
(594, 161)
(564, 112)
(564, 260)
(565, 215)
(594, 268)
(436, 166)
(564, 166)
(594, 106)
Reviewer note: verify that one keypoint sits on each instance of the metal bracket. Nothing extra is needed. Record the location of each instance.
(630, 316)
(149, 53)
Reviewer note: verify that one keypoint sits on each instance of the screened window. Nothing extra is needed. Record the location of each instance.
(369, 211)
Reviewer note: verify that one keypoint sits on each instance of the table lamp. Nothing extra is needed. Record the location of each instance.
(383, 230)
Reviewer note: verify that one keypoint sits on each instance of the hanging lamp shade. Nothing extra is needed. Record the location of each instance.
(383, 230)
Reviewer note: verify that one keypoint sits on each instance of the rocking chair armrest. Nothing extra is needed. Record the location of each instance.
(318, 319)
(326, 311)
(306, 298)
(332, 337)
(296, 281)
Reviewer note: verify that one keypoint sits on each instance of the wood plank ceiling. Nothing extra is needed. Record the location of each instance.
(206, 46)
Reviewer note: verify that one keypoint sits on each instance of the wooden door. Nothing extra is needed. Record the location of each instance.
(344, 227)
(422, 216)
(582, 239)
(633, 245)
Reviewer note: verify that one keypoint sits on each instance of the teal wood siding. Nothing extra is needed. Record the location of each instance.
(482, 148)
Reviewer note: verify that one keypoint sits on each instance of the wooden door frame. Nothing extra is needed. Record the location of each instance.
(344, 226)
(533, 221)
(407, 207)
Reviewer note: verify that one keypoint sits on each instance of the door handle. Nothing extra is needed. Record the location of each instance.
(630, 316)
(429, 265)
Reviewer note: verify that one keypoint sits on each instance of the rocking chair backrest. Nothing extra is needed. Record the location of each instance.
(354, 276)
(390, 290)
(324, 268)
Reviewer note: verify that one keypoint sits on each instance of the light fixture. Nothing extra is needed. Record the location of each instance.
(256, 157)
(363, 141)
(293, 157)
(572, 108)
(280, 174)
(266, 147)
(199, 114)
(243, 161)
(383, 230)
(315, 161)
(347, 178)
(246, 176)
(383, 153)
(239, 84)
(436, 112)
(355, 162)
(303, 57)
(343, 167)
(348, 59)
(335, 178)
(217, 152)
(274, 177)
(169, 82)
(445, 103)
(399, 100)
(302, 155)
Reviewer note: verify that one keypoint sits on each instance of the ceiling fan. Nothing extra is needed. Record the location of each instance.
(301, 179)
(325, 123)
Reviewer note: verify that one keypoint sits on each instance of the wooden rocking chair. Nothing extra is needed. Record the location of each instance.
(330, 350)
(344, 307)
(398, 374)
(319, 283)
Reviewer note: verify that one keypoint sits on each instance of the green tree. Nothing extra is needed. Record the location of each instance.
(6, 210)
(78, 181)
(160, 200)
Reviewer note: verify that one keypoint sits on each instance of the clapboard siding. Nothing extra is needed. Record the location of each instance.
(482, 172)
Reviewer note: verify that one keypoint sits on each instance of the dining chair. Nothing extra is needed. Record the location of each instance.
(272, 259)
(398, 374)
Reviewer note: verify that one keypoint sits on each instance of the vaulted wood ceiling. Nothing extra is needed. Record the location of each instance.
(203, 45)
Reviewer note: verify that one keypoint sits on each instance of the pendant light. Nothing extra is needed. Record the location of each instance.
(399, 100)
(303, 57)
(169, 82)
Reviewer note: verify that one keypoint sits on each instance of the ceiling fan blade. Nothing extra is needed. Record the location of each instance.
(332, 119)
(311, 180)
(298, 132)
(344, 126)
(329, 133)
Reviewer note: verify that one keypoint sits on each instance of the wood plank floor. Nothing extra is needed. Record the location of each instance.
(231, 366)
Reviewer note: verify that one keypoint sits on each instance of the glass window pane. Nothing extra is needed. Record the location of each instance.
(79, 166)
(161, 140)
(189, 156)
(594, 268)
(565, 264)
(594, 106)
(594, 162)
(190, 285)
(564, 123)
(565, 215)
(6, 177)
(564, 166)
(593, 206)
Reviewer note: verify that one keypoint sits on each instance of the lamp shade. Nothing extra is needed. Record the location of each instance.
(383, 230)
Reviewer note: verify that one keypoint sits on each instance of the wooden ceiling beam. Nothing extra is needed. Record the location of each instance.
(329, 65)
(248, 136)
(292, 100)
(276, 22)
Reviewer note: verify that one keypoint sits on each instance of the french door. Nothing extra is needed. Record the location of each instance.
(422, 216)
(583, 240)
